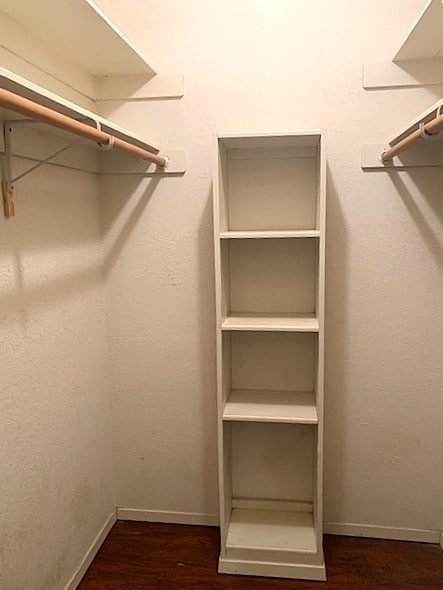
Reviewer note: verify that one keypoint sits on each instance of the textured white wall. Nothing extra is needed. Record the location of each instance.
(56, 486)
(270, 65)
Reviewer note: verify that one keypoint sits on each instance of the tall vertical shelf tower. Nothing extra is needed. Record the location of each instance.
(269, 229)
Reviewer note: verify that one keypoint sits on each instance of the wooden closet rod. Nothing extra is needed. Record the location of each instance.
(429, 129)
(31, 109)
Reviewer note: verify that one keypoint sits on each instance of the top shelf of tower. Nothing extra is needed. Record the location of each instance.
(269, 185)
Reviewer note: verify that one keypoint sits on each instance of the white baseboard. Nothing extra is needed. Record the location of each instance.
(330, 528)
(167, 516)
(381, 532)
(91, 552)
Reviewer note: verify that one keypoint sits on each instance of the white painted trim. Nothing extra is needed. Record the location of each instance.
(167, 516)
(381, 532)
(278, 570)
(403, 74)
(92, 552)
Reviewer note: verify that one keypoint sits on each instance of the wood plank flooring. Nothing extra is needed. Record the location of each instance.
(148, 556)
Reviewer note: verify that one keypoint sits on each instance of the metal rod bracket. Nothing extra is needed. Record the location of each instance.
(8, 180)
(7, 185)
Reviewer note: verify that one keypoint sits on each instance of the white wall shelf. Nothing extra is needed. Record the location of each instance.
(269, 236)
(78, 45)
(292, 407)
(61, 147)
(81, 33)
(419, 61)
(14, 83)
(278, 322)
(424, 40)
(241, 235)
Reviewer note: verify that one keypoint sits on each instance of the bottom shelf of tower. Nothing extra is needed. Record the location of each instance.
(272, 542)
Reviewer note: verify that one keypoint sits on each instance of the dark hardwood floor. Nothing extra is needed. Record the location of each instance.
(145, 556)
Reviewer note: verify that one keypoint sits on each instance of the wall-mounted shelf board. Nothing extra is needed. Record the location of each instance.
(31, 91)
(292, 407)
(425, 38)
(423, 117)
(419, 61)
(257, 234)
(109, 161)
(403, 74)
(273, 322)
(80, 33)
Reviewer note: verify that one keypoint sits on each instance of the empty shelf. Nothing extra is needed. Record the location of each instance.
(271, 529)
(271, 322)
(81, 34)
(260, 234)
(246, 405)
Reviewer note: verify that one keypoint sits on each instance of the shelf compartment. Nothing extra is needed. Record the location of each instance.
(268, 277)
(245, 405)
(270, 361)
(269, 183)
(269, 234)
(273, 322)
(271, 530)
(272, 461)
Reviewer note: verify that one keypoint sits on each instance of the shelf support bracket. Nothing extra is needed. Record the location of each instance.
(7, 180)
(7, 186)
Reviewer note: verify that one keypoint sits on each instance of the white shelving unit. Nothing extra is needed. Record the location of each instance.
(269, 234)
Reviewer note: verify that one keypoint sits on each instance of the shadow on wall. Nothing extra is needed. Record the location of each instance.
(336, 342)
(49, 251)
(426, 186)
(119, 219)
(43, 249)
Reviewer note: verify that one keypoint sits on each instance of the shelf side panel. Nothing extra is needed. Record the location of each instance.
(319, 365)
(223, 355)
